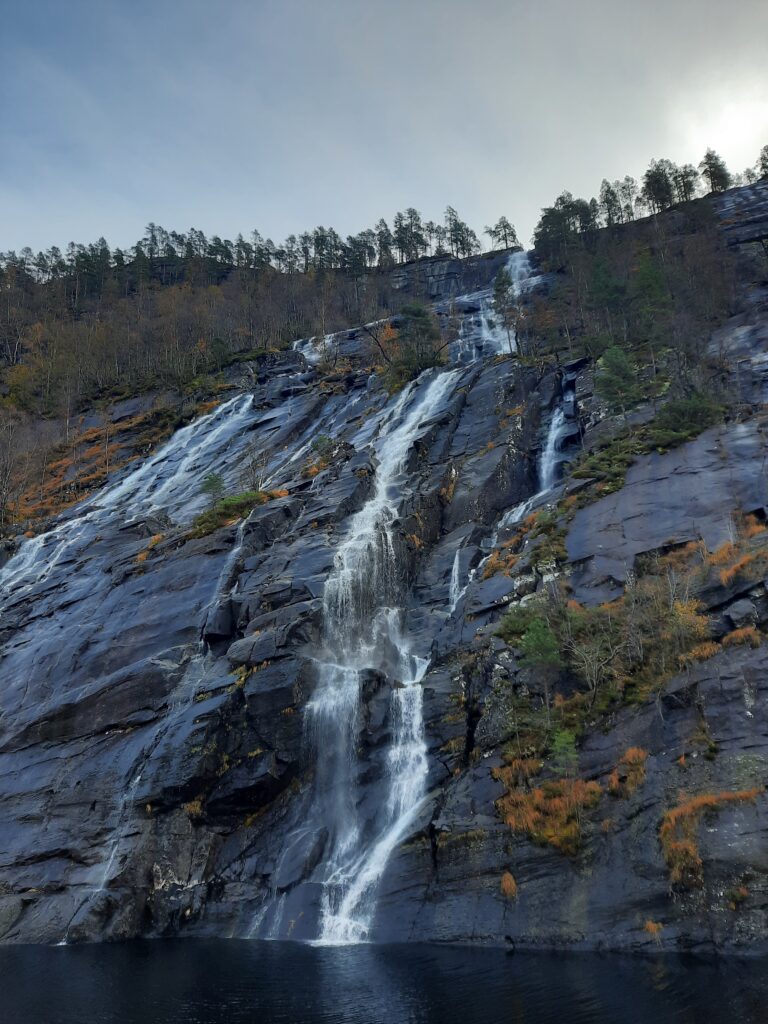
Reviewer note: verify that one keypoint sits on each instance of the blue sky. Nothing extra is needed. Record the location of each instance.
(236, 114)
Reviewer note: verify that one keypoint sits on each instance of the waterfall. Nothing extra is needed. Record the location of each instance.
(549, 459)
(455, 589)
(363, 630)
(168, 481)
(480, 333)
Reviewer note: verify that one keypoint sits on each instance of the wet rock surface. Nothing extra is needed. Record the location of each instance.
(156, 776)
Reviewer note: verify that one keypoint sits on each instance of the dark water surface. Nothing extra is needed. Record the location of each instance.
(221, 982)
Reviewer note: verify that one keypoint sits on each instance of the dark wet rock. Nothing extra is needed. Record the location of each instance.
(442, 277)
(741, 613)
(156, 755)
(687, 494)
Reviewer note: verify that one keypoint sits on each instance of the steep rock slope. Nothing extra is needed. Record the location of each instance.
(156, 772)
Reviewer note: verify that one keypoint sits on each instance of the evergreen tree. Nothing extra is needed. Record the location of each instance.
(628, 192)
(714, 170)
(540, 651)
(610, 203)
(384, 244)
(539, 646)
(685, 179)
(565, 754)
(616, 380)
(213, 488)
(461, 239)
(503, 234)
(658, 185)
(762, 162)
(400, 236)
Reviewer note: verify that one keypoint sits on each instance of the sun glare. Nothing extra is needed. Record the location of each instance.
(735, 126)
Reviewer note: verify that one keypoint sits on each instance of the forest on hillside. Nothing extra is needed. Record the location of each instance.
(93, 325)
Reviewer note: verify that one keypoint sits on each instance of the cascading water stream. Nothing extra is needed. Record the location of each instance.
(175, 465)
(362, 631)
(480, 334)
(455, 589)
(168, 484)
(549, 457)
(547, 472)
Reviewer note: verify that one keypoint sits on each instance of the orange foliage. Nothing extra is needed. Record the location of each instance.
(751, 526)
(723, 554)
(629, 773)
(680, 557)
(728, 575)
(497, 562)
(699, 653)
(551, 813)
(508, 886)
(517, 771)
(745, 635)
(677, 832)
(153, 542)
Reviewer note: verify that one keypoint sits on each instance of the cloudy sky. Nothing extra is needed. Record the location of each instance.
(284, 114)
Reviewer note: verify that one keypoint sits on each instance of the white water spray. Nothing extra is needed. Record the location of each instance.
(362, 631)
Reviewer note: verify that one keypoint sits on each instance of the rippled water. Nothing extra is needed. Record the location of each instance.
(220, 982)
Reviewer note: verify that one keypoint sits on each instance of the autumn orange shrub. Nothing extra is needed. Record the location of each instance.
(153, 542)
(517, 771)
(751, 526)
(679, 825)
(701, 652)
(446, 493)
(206, 407)
(679, 557)
(632, 767)
(723, 554)
(727, 576)
(499, 561)
(552, 813)
(745, 635)
(508, 886)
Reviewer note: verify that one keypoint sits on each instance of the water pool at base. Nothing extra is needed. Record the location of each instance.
(229, 982)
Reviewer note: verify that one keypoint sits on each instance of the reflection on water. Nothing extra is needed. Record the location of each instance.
(217, 982)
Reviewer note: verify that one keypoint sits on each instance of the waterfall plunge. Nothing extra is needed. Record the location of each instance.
(362, 630)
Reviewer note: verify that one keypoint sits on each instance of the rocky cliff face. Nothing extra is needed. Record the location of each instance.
(156, 776)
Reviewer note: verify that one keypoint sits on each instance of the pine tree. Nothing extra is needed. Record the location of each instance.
(658, 187)
(610, 203)
(539, 646)
(213, 488)
(616, 380)
(384, 244)
(685, 179)
(714, 170)
(503, 234)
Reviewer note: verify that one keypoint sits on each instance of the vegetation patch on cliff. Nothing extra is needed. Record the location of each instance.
(679, 827)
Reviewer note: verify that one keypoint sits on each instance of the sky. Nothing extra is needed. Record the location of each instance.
(229, 115)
